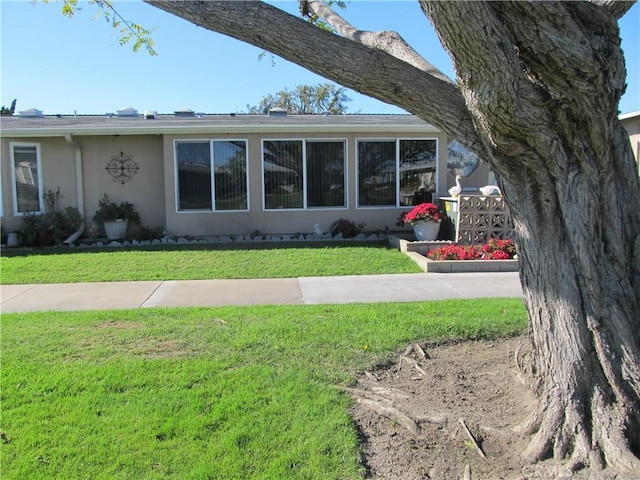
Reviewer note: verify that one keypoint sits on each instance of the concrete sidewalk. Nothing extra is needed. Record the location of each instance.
(283, 291)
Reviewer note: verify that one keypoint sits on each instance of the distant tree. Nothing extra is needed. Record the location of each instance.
(7, 112)
(305, 99)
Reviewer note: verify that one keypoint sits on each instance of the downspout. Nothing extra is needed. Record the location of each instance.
(79, 188)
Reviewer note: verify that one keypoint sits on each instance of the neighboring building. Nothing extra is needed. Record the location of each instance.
(631, 121)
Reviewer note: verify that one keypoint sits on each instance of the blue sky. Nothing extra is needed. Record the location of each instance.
(62, 65)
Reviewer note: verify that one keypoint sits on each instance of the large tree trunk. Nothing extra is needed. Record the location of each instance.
(544, 100)
(537, 96)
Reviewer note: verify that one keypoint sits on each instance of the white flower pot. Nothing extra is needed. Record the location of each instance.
(116, 229)
(426, 231)
(12, 239)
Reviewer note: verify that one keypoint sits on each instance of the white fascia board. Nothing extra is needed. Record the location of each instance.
(79, 130)
(625, 116)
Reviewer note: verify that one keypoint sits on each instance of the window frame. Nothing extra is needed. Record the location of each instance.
(211, 142)
(305, 173)
(397, 141)
(40, 183)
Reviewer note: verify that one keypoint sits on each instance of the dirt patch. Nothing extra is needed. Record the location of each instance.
(463, 399)
(448, 412)
(121, 325)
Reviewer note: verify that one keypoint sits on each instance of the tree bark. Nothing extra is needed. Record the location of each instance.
(538, 86)
(542, 82)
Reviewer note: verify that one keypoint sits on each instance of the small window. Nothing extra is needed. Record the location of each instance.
(26, 174)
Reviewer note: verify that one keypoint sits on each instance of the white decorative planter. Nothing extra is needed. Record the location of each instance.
(116, 229)
(12, 239)
(426, 231)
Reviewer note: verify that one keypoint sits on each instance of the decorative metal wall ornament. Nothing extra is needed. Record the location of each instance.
(122, 168)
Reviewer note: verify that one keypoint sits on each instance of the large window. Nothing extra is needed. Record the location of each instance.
(211, 175)
(301, 174)
(396, 172)
(26, 173)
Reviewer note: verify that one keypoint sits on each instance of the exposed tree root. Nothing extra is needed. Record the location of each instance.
(559, 430)
(582, 436)
(414, 364)
(392, 413)
(575, 434)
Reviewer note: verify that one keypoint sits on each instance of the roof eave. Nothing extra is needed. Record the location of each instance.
(25, 132)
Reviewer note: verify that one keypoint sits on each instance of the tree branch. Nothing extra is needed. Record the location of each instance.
(126, 33)
(617, 8)
(387, 41)
(367, 70)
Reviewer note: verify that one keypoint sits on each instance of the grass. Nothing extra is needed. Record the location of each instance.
(201, 262)
(223, 393)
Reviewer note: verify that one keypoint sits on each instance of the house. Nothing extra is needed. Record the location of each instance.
(234, 174)
(231, 174)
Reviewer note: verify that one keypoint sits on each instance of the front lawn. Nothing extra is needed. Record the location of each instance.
(200, 393)
(202, 262)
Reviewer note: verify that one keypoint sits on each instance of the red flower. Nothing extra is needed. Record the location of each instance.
(455, 252)
(499, 249)
(424, 212)
(493, 250)
(497, 255)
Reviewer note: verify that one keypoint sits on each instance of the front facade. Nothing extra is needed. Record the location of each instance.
(228, 174)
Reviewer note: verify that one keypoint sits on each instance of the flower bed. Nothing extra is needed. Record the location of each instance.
(419, 252)
(492, 250)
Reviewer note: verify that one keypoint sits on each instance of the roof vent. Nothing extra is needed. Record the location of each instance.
(127, 112)
(150, 114)
(184, 112)
(31, 113)
(277, 112)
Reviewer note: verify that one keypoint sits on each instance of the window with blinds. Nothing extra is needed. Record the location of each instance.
(230, 175)
(299, 174)
(377, 166)
(283, 174)
(325, 174)
(211, 175)
(27, 181)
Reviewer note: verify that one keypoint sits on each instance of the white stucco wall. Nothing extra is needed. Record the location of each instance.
(146, 190)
